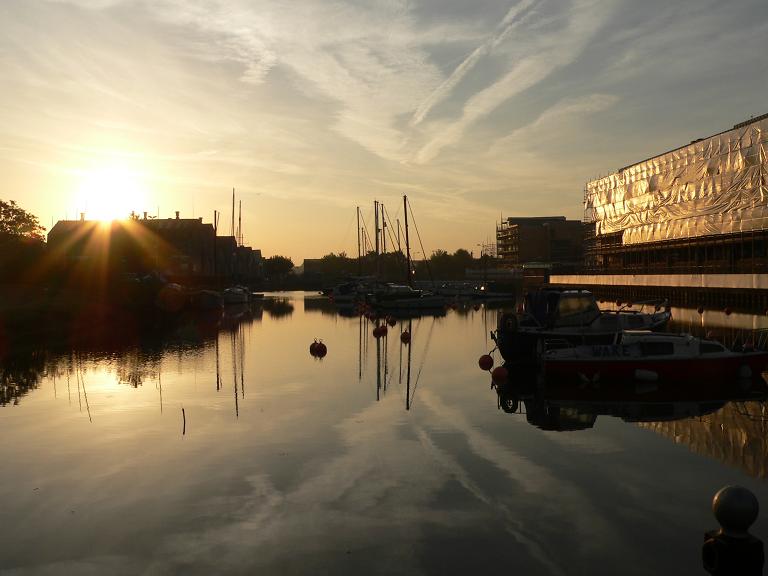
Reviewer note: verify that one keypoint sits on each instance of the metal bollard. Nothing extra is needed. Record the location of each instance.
(732, 550)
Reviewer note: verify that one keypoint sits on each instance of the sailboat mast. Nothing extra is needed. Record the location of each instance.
(240, 223)
(383, 230)
(232, 222)
(407, 245)
(359, 233)
(376, 225)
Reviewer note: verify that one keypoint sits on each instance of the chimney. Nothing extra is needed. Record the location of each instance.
(177, 214)
(145, 215)
(82, 216)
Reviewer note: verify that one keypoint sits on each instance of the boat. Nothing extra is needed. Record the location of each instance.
(205, 300)
(653, 357)
(236, 295)
(400, 297)
(570, 316)
(390, 296)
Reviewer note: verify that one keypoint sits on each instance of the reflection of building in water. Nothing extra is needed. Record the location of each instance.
(736, 435)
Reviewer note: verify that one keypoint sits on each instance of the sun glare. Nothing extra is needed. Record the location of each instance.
(111, 192)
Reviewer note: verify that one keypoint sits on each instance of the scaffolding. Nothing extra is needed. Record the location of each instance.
(712, 186)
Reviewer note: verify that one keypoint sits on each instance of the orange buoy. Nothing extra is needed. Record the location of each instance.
(405, 337)
(485, 362)
(499, 374)
(321, 350)
(727, 311)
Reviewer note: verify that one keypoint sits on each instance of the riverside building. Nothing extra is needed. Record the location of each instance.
(695, 217)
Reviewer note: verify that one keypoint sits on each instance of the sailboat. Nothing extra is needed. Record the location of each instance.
(395, 297)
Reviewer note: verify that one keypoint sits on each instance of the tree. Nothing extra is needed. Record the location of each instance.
(277, 266)
(16, 223)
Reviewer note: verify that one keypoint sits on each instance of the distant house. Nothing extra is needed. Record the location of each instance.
(177, 247)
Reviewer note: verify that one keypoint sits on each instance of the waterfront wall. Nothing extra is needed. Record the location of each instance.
(747, 291)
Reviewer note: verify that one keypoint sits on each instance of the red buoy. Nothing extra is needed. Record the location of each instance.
(700, 310)
(380, 331)
(618, 303)
(727, 311)
(476, 307)
(313, 348)
(321, 350)
(391, 320)
(405, 337)
(499, 375)
(485, 362)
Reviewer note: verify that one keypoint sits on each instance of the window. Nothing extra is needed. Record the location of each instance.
(657, 348)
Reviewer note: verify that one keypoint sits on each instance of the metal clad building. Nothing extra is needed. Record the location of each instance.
(700, 206)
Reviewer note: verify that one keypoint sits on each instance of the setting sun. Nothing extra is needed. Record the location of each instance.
(111, 192)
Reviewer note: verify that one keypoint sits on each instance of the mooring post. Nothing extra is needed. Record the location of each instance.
(732, 550)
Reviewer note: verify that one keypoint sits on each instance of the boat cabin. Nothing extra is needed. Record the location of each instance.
(562, 308)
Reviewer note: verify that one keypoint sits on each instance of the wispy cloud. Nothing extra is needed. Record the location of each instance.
(543, 53)
(514, 18)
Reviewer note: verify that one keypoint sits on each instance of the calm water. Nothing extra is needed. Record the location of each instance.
(237, 452)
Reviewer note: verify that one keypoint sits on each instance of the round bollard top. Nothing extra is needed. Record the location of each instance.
(735, 508)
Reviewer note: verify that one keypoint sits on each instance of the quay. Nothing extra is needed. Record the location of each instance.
(735, 291)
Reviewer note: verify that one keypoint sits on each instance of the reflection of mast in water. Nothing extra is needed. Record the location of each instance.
(80, 377)
(386, 361)
(408, 378)
(160, 383)
(359, 344)
(234, 373)
(410, 395)
(218, 372)
(242, 361)
(378, 368)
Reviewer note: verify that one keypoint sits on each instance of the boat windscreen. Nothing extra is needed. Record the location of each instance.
(577, 309)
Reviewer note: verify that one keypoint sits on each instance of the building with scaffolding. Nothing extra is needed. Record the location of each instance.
(552, 240)
(698, 208)
(695, 216)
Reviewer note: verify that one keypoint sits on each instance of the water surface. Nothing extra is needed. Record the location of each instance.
(231, 450)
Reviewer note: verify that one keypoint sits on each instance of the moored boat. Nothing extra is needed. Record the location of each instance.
(236, 295)
(570, 316)
(653, 357)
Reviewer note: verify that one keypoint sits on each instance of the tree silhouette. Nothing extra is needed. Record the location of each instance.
(16, 223)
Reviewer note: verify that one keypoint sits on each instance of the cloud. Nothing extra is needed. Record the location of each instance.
(542, 53)
(514, 18)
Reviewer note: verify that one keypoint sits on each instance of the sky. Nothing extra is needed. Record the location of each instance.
(309, 108)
